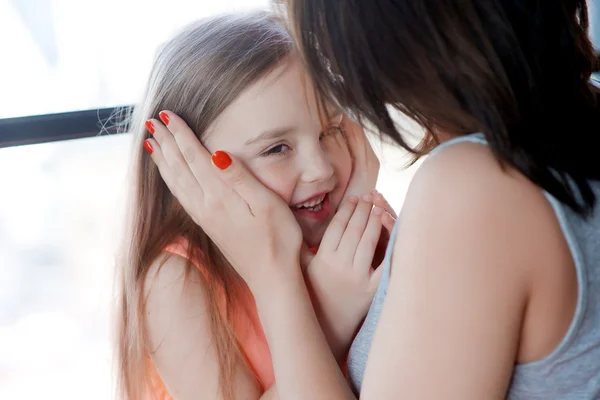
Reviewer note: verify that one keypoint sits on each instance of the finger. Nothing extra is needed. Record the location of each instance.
(173, 160)
(181, 190)
(388, 222)
(356, 225)
(380, 201)
(369, 240)
(155, 151)
(177, 133)
(336, 228)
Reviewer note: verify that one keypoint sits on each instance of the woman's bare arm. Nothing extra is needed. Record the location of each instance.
(460, 282)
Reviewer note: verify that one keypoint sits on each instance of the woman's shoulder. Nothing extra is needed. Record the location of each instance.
(466, 192)
(469, 173)
(489, 222)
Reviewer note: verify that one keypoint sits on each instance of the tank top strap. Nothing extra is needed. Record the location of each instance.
(478, 138)
(180, 248)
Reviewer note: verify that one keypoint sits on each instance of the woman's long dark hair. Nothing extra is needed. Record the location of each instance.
(516, 70)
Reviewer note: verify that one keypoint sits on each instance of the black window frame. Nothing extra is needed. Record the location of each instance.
(45, 128)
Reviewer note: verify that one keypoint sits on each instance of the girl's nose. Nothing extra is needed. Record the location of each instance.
(316, 168)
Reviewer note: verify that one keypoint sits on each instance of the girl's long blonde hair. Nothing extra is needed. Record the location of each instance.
(197, 75)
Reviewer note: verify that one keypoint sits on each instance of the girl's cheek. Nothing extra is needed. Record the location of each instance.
(276, 178)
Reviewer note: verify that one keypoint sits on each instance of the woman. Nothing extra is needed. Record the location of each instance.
(492, 279)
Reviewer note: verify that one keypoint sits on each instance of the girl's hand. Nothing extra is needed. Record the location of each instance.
(252, 226)
(365, 163)
(341, 276)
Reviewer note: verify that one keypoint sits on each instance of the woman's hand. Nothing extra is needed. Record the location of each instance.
(252, 226)
(341, 276)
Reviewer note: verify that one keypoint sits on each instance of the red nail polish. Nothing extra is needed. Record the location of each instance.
(148, 147)
(221, 159)
(164, 117)
(150, 126)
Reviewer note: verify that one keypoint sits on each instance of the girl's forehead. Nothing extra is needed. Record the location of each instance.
(283, 100)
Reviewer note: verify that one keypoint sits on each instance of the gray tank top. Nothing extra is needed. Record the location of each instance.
(572, 370)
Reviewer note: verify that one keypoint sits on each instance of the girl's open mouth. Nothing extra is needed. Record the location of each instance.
(315, 208)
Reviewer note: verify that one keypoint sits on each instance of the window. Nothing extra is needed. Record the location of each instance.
(66, 55)
(59, 223)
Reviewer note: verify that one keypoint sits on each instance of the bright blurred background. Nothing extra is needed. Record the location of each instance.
(61, 203)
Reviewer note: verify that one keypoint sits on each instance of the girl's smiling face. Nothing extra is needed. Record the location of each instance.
(275, 129)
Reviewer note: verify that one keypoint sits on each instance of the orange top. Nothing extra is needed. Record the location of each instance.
(247, 328)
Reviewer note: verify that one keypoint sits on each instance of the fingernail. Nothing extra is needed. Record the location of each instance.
(164, 117)
(221, 159)
(378, 210)
(150, 126)
(368, 198)
(148, 147)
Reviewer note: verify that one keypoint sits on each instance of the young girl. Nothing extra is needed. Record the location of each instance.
(491, 286)
(188, 326)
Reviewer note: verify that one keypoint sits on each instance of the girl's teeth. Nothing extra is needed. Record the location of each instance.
(313, 205)
(316, 208)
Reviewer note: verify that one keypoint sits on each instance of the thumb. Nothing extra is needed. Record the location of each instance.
(234, 173)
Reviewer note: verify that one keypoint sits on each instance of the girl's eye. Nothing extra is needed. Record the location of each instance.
(279, 150)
